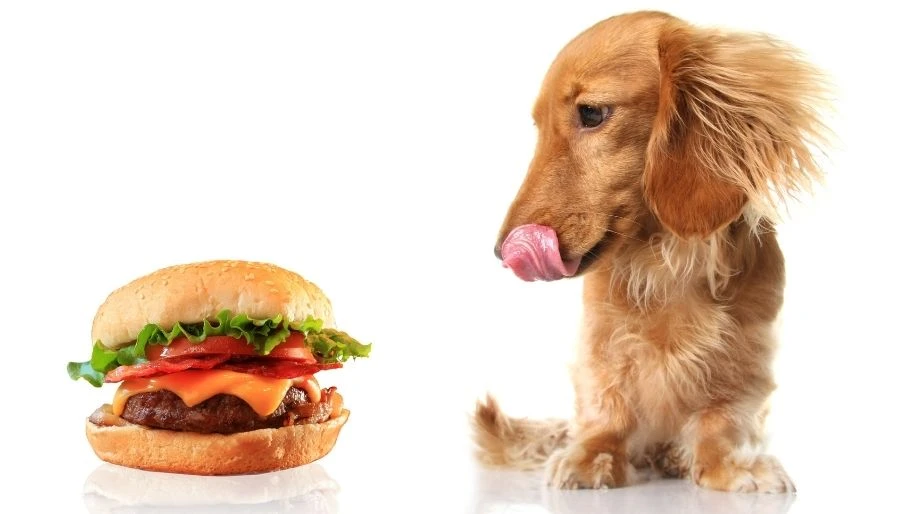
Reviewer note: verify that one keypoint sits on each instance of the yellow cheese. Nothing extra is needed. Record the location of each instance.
(263, 394)
(311, 387)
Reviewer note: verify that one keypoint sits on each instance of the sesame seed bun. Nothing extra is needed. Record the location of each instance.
(190, 293)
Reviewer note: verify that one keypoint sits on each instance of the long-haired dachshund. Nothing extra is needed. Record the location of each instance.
(663, 155)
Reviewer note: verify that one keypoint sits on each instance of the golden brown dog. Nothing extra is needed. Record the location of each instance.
(664, 153)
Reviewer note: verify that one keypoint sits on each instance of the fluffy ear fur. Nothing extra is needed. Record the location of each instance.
(737, 117)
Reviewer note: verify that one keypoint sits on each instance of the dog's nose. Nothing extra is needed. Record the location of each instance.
(498, 250)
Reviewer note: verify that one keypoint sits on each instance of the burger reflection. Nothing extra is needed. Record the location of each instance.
(116, 489)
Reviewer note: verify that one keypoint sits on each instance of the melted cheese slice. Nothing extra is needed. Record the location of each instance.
(310, 384)
(263, 394)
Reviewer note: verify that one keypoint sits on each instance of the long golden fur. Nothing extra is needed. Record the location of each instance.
(672, 202)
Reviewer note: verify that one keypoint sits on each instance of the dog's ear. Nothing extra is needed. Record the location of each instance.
(737, 114)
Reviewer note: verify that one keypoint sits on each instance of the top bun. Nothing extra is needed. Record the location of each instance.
(190, 293)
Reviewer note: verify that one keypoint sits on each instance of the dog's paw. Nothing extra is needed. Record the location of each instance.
(575, 468)
(763, 474)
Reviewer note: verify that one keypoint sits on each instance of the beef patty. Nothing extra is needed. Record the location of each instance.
(223, 413)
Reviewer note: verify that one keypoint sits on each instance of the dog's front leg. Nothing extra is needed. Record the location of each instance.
(725, 457)
(597, 456)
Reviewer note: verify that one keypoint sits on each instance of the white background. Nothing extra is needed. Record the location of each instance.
(374, 147)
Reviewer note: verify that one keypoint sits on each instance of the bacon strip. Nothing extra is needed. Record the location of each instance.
(164, 367)
(277, 368)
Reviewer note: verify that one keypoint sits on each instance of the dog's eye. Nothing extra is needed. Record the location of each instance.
(592, 116)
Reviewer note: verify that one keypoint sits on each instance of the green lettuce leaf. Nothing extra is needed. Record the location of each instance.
(84, 370)
(334, 345)
(327, 345)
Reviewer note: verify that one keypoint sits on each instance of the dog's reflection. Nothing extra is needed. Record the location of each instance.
(116, 489)
(503, 491)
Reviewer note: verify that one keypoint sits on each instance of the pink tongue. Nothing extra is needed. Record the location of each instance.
(532, 252)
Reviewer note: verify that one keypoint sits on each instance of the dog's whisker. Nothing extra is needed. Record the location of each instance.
(611, 215)
(624, 219)
(617, 216)
(610, 230)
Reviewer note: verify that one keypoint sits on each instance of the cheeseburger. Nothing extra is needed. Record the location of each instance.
(216, 366)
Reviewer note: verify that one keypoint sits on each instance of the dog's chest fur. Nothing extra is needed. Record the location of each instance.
(667, 358)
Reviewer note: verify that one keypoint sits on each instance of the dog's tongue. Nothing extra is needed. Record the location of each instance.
(532, 252)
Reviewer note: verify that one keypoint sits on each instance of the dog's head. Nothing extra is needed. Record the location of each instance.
(647, 124)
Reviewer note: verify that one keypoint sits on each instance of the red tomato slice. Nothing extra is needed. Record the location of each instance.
(273, 368)
(293, 348)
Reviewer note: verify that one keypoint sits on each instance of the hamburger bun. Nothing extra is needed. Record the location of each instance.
(190, 293)
(256, 451)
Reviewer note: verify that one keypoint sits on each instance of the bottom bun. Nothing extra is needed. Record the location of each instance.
(256, 451)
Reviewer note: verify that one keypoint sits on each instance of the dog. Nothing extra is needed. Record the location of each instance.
(665, 151)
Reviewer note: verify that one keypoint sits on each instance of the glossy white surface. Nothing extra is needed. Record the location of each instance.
(313, 489)
(521, 492)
